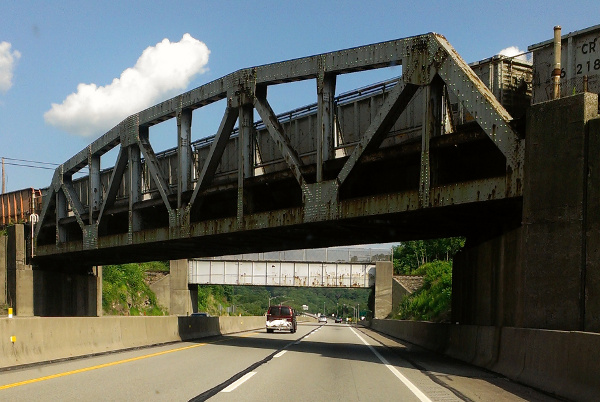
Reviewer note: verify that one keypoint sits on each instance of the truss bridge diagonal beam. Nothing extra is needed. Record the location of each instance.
(393, 106)
(73, 200)
(278, 135)
(481, 103)
(115, 181)
(214, 154)
(155, 171)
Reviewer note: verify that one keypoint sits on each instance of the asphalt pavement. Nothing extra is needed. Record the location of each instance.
(320, 362)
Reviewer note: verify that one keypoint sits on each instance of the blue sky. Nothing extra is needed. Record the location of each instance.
(70, 53)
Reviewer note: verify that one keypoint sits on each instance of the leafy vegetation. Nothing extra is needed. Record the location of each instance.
(431, 259)
(409, 256)
(125, 291)
(433, 301)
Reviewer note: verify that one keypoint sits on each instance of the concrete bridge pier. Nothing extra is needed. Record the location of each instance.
(183, 296)
(544, 273)
(16, 274)
(44, 290)
(384, 272)
(67, 291)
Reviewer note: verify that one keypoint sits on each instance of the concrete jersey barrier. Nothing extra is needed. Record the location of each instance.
(40, 339)
(564, 363)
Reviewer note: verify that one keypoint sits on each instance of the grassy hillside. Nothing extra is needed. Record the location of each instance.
(125, 289)
(432, 259)
(433, 301)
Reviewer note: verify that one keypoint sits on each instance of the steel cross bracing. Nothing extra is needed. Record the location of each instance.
(113, 208)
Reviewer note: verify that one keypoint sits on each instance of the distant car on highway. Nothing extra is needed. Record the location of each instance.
(323, 319)
(200, 314)
(281, 318)
(338, 319)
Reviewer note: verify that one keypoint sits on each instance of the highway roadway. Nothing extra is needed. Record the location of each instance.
(331, 362)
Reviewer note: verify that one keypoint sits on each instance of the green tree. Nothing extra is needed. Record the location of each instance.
(410, 255)
(254, 300)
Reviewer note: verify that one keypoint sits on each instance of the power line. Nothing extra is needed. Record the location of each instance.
(25, 160)
(30, 166)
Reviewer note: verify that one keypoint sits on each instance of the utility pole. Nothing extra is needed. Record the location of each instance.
(3, 178)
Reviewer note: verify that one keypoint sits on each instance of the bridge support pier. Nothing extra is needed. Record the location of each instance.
(67, 291)
(546, 273)
(44, 290)
(384, 271)
(17, 285)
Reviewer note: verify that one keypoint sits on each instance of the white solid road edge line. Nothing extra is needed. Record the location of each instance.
(393, 369)
(239, 382)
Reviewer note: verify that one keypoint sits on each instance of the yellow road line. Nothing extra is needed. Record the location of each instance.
(83, 370)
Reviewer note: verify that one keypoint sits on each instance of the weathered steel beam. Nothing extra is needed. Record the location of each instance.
(184, 153)
(153, 165)
(49, 197)
(73, 201)
(426, 132)
(432, 127)
(377, 55)
(214, 154)
(277, 133)
(325, 120)
(116, 178)
(385, 205)
(481, 104)
(246, 152)
(97, 148)
(134, 186)
(61, 212)
(94, 186)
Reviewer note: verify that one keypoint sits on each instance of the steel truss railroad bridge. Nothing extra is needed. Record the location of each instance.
(389, 162)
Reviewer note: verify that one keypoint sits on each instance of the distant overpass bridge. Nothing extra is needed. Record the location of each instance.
(295, 268)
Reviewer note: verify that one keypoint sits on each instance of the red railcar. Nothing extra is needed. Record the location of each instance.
(17, 206)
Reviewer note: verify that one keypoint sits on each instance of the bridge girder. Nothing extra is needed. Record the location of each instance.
(428, 62)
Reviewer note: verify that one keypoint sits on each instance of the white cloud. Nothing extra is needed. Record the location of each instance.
(161, 71)
(514, 51)
(8, 59)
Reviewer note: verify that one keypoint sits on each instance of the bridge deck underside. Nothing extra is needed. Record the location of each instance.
(434, 223)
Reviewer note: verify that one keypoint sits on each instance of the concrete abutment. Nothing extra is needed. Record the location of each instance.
(46, 290)
(546, 273)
